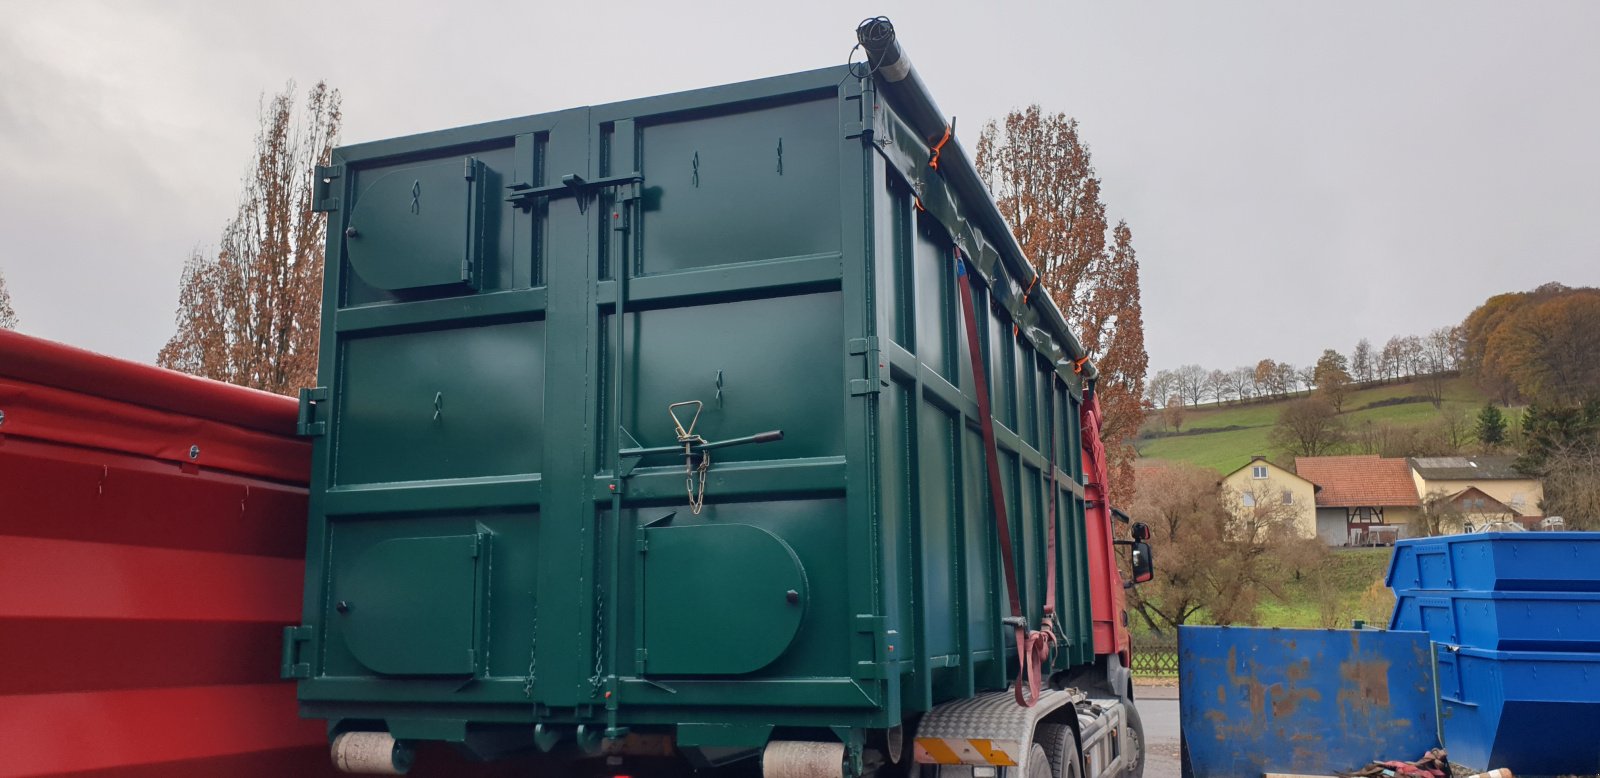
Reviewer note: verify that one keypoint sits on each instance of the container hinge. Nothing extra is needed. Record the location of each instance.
(639, 657)
(875, 376)
(875, 667)
(324, 195)
(293, 639)
(308, 424)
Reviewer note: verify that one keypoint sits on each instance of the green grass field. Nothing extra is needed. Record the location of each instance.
(1228, 449)
(1352, 572)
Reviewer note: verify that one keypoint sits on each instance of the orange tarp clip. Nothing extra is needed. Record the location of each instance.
(933, 161)
(1077, 364)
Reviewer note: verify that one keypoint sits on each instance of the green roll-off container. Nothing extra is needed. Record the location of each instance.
(526, 322)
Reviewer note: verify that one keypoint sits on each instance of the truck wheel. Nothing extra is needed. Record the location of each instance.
(1133, 750)
(1060, 746)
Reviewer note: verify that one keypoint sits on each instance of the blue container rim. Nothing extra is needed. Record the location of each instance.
(1520, 656)
(1499, 594)
(1539, 537)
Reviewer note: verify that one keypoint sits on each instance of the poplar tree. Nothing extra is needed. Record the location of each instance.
(1039, 170)
(8, 315)
(249, 314)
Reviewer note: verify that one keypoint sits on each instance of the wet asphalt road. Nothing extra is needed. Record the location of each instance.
(1158, 709)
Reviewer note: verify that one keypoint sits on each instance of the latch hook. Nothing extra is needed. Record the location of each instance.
(686, 435)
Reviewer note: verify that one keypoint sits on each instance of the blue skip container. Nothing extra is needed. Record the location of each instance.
(1535, 712)
(1505, 621)
(1498, 561)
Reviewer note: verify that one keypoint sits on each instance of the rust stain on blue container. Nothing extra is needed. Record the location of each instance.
(1264, 700)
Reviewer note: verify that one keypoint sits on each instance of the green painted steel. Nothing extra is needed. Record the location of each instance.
(510, 310)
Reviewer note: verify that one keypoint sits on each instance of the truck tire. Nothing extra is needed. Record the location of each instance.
(1135, 748)
(1060, 746)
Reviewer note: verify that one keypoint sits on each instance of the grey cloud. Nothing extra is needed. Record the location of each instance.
(1298, 175)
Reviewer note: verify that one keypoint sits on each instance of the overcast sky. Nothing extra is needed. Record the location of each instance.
(1297, 175)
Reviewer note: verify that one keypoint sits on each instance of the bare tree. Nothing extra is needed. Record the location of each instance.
(1288, 376)
(1572, 485)
(1412, 354)
(1361, 361)
(1241, 381)
(1440, 516)
(1306, 377)
(250, 315)
(1218, 386)
(1213, 562)
(1192, 383)
(1392, 360)
(1457, 425)
(1159, 389)
(8, 315)
(1309, 427)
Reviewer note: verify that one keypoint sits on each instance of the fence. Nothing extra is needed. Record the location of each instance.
(1155, 657)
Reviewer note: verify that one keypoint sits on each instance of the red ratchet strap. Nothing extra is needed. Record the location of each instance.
(933, 161)
(1033, 646)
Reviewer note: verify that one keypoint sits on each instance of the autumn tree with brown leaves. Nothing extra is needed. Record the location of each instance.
(1039, 171)
(8, 315)
(1543, 345)
(1216, 553)
(250, 314)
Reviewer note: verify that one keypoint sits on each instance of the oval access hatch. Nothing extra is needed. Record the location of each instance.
(720, 599)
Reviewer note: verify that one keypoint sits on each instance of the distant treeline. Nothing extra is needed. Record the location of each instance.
(1439, 352)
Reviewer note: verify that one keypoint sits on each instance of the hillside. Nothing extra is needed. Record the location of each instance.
(1224, 437)
(1357, 593)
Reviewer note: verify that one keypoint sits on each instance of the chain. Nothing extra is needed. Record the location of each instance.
(533, 658)
(697, 496)
(599, 638)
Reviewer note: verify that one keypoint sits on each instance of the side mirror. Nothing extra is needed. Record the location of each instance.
(1141, 531)
(1144, 564)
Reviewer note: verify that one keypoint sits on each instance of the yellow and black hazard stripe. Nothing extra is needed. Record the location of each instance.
(974, 751)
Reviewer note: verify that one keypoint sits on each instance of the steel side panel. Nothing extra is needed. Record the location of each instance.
(1256, 700)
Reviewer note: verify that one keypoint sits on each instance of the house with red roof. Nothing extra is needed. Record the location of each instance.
(1363, 499)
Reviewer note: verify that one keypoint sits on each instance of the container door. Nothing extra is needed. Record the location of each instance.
(726, 259)
(431, 479)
